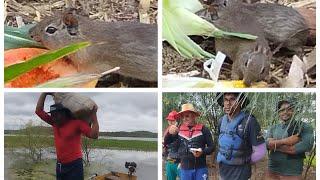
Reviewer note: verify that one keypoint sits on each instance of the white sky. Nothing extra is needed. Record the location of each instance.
(117, 111)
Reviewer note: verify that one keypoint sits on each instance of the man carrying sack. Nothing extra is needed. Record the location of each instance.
(240, 138)
(67, 137)
(194, 142)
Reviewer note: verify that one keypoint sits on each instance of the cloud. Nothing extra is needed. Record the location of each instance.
(117, 111)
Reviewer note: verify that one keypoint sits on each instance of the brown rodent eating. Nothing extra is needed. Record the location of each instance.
(251, 58)
(132, 46)
(282, 26)
(274, 24)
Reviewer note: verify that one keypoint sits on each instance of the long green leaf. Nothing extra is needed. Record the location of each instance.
(16, 70)
(175, 35)
(18, 37)
(180, 21)
(70, 81)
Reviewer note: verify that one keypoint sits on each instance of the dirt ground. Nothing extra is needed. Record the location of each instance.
(258, 171)
(105, 10)
(173, 63)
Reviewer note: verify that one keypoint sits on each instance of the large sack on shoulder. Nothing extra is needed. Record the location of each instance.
(80, 106)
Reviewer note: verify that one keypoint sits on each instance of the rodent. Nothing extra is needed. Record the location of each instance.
(251, 58)
(132, 46)
(282, 26)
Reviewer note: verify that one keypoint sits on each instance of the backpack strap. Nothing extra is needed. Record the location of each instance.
(219, 126)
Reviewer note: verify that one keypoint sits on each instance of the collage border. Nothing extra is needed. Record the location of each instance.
(158, 90)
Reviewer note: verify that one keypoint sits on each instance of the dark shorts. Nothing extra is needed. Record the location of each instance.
(70, 171)
(228, 172)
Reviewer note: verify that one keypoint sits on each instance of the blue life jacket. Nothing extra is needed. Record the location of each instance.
(233, 143)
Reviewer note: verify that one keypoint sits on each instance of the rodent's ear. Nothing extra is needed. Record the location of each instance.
(69, 18)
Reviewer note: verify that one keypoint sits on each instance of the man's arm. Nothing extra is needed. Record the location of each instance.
(39, 109)
(274, 144)
(209, 142)
(258, 152)
(92, 132)
(208, 136)
(307, 140)
(286, 149)
(294, 144)
(256, 140)
(171, 136)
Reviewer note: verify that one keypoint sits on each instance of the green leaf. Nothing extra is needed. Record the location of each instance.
(16, 70)
(18, 37)
(176, 36)
(70, 81)
(180, 21)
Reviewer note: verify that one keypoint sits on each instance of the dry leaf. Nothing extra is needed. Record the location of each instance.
(295, 77)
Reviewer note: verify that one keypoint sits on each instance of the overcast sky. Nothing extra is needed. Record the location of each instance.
(117, 111)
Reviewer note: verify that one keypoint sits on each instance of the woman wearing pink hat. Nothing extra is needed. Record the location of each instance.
(194, 142)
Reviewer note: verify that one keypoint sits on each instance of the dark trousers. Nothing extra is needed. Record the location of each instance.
(70, 171)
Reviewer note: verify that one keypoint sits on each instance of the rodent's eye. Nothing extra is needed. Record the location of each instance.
(51, 30)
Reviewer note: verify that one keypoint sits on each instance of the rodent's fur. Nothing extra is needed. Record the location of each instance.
(132, 46)
(274, 24)
(281, 25)
(251, 58)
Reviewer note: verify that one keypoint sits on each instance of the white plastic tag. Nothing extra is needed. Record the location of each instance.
(215, 66)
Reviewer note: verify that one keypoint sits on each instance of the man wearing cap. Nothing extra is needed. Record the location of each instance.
(194, 142)
(288, 141)
(171, 150)
(241, 143)
(67, 138)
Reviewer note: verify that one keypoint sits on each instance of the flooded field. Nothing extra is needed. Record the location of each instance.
(102, 161)
(129, 138)
(100, 137)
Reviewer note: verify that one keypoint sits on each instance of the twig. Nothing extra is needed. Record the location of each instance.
(110, 71)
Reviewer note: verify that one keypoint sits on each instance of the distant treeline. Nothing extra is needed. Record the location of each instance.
(48, 131)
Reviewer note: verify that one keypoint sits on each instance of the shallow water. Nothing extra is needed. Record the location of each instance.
(114, 160)
(103, 137)
(128, 138)
(102, 161)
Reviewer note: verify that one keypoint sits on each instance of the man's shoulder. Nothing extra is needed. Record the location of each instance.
(307, 127)
(249, 115)
(249, 119)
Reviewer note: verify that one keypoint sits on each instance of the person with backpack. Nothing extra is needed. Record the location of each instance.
(171, 150)
(67, 133)
(241, 142)
(194, 144)
(287, 142)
